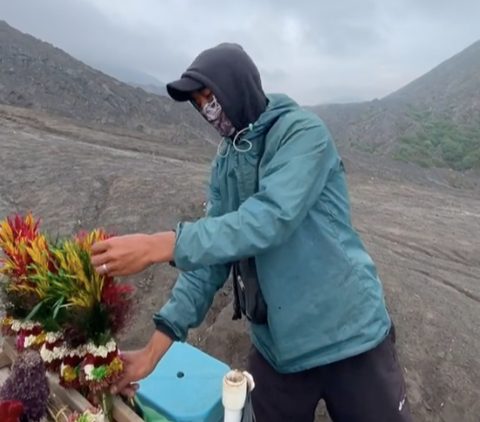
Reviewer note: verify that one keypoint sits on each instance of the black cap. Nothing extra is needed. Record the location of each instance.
(232, 76)
(182, 89)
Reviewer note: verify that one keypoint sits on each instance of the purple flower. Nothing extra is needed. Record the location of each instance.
(28, 384)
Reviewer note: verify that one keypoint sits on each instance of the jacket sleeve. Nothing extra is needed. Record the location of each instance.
(292, 182)
(194, 291)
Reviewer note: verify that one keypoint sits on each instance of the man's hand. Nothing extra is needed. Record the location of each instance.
(131, 254)
(139, 364)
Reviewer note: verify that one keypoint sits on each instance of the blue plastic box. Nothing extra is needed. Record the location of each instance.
(186, 386)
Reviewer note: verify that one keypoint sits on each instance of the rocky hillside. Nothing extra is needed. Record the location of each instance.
(36, 75)
(434, 121)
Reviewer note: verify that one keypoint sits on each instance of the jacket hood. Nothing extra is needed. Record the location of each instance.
(229, 72)
(277, 105)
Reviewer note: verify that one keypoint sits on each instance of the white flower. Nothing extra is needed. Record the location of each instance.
(54, 354)
(101, 351)
(88, 369)
(77, 352)
(23, 325)
(62, 368)
(29, 341)
(52, 337)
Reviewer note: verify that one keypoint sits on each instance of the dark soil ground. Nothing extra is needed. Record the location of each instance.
(423, 233)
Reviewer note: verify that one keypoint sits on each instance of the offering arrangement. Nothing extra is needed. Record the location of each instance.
(64, 318)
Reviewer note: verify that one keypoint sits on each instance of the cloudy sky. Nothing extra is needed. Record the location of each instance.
(315, 50)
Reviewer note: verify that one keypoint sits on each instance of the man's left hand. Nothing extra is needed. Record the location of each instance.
(131, 254)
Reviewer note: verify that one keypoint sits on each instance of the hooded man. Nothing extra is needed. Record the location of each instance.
(278, 217)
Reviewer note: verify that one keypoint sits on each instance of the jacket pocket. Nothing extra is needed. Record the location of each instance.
(248, 297)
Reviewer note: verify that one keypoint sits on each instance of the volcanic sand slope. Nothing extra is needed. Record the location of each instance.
(424, 239)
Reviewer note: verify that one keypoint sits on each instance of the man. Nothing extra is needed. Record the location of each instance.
(278, 215)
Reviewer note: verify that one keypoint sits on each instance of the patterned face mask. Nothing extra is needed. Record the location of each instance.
(215, 115)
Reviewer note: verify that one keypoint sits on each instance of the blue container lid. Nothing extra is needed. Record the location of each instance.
(186, 386)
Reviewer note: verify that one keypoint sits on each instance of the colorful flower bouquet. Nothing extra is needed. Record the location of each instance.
(27, 385)
(58, 304)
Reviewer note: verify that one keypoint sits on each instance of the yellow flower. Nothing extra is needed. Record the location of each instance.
(116, 365)
(30, 221)
(6, 233)
(40, 339)
(7, 321)
(69, 373)
(38, 253)
(79, 282)
(8, 267)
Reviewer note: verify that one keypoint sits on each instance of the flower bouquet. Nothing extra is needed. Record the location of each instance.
(58, 304)
(19, 402)
(27, 386)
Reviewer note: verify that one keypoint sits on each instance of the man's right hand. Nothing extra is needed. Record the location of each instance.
(139, 364)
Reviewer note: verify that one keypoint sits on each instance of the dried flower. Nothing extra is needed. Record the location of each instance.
(28, 384)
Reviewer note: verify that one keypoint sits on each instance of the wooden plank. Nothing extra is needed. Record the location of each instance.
(4, 374)
(4, 359)
(123, 413)
(72, 398)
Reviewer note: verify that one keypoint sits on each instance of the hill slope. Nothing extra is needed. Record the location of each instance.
(36, 75)
(78, 179)
(434, 121)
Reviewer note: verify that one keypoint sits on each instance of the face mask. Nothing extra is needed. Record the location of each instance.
(215, 115)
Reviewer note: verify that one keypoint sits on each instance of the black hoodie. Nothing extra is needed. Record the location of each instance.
(229, 72)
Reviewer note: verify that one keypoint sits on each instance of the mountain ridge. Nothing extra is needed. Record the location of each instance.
(35, 74)
(433, 121)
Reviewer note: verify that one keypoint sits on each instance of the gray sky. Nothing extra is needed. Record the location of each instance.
(317, 51)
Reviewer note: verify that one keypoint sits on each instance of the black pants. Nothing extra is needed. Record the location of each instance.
(366, 388)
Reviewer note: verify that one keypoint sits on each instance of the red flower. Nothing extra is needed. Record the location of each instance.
(118, 300)
(18, 231)
(11, 411)
(24, 227)
(86, 239)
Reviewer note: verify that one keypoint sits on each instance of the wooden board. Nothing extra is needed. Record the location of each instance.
(4, 374)
(71, 398)
(4, 359)
(4, 366)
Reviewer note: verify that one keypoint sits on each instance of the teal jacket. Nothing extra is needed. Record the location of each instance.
(325, 300)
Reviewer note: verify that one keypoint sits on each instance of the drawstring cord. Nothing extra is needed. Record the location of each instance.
(234, 143)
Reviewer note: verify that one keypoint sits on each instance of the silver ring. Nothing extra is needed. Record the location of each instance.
(104, 269)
